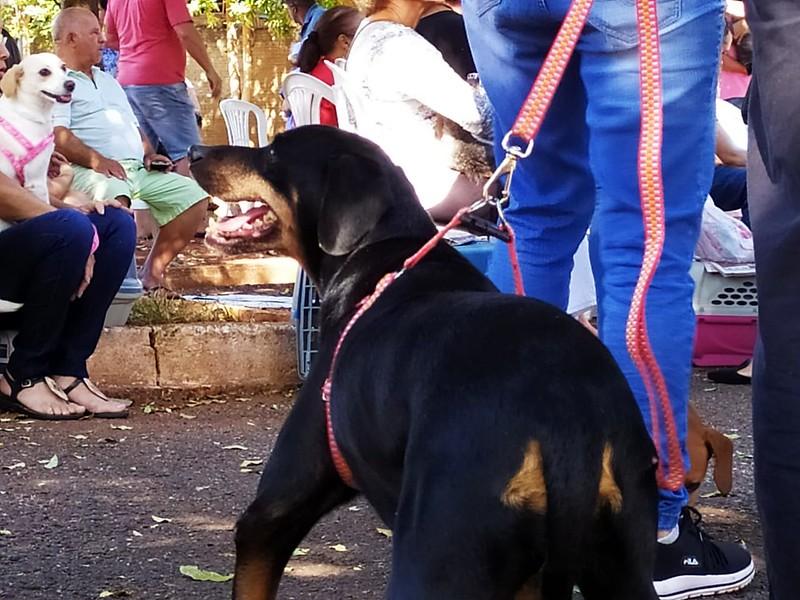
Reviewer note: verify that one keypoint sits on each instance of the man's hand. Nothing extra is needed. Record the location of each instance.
(159, 159)
(109, 168)
(57, 160)
(215, 83)
(99, 206)
(87, 277)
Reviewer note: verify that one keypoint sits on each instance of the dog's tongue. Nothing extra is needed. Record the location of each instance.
(232, 224)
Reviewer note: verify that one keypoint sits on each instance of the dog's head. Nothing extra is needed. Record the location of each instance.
(40, 79)
(322, 192)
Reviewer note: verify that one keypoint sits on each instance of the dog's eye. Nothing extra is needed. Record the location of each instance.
(45, 72)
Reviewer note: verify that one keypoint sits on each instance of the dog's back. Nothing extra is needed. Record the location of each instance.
(510, 408)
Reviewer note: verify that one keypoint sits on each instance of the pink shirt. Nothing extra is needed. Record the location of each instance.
(150, 52)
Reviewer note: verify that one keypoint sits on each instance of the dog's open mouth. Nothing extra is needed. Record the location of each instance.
(256, 224)
(60, 98)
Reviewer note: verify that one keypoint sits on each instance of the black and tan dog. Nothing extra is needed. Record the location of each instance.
(494, 434)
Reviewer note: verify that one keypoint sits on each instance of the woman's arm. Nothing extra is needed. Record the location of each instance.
(17, 203)
(415, 68)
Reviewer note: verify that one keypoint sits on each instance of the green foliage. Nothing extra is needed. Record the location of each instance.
(271, 13)
(29, 21)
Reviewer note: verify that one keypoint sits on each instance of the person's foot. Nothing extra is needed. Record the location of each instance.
(741, 375)
(694, 565)
(93, 400)
(40, 399)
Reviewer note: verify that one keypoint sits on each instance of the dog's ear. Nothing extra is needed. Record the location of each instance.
(722, 448)
(356, 197)
(10, 81)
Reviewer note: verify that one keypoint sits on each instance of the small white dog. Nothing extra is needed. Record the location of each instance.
(30, 90)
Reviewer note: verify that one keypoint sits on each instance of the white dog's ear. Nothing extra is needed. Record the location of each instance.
(10, 81)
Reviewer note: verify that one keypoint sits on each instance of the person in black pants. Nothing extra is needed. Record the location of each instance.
(444, 28)
(774, 185)
(46, 266)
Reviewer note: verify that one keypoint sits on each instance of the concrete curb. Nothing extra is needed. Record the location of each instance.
(208, 356)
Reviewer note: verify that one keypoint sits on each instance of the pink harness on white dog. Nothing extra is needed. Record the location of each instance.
(33, 150)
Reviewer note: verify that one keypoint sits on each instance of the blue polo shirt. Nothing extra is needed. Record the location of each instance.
(100, 116)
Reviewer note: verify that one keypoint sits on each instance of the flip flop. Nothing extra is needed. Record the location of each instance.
(10, 402)
(121, 414)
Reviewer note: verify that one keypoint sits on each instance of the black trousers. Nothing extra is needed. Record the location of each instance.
(774, 196)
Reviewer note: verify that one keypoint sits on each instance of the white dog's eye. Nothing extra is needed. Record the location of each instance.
(45, 72)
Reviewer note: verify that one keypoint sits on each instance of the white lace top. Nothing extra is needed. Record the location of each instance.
(405, 81)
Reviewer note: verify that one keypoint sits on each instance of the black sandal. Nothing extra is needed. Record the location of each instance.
(11, 402)
(96, 391)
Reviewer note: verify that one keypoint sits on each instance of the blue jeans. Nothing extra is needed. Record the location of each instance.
(166, 115)
(583, 169)
(43, 262)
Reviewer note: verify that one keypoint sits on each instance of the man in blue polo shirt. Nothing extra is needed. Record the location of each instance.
(112, 159)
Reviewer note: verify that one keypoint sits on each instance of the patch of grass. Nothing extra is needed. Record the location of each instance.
(161, 310)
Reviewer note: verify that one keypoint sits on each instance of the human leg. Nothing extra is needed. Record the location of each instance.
(178, 204)
(552, 192)
(50, 255)
(84, 322)
(729, 190)
(774, 180)
(170, 118)
(610, 69)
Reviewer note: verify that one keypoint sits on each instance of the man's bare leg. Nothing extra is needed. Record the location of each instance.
(170, 240)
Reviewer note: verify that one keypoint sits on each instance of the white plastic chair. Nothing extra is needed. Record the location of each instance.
(236, 114)
(305, 93)
(351, 106)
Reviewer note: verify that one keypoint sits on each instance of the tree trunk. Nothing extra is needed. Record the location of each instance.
(232, 48)
(248, 43)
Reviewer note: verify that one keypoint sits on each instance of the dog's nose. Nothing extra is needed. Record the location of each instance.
(197, 152)
(69, 85)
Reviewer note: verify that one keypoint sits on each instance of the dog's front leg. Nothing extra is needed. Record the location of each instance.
(298, 486)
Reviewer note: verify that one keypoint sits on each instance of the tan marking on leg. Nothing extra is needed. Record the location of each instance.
(531, 590)
(255, 579)
(609, 493)
(527, 488)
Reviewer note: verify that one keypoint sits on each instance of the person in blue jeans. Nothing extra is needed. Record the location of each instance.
(55, 295)
(583, 171)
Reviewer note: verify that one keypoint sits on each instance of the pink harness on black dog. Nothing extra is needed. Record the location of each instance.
(33, 150)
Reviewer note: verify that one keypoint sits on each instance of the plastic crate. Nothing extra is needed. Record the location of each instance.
(724, 341)
(306, 302)
(727, 318)
(724, 296)
(305, 311)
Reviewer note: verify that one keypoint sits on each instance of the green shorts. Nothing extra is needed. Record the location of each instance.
(166, 194)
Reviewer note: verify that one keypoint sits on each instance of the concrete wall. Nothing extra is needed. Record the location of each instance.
(269, 67)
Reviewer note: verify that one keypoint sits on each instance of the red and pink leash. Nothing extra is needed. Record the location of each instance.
(525, 128)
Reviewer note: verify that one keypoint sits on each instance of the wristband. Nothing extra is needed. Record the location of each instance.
(95, 241)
